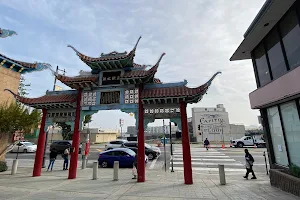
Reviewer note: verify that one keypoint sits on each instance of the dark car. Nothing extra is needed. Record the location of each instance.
(125, 157)
(150, 151)
(61, 145)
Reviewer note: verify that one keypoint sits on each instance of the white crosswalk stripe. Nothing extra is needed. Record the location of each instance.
(207, 161)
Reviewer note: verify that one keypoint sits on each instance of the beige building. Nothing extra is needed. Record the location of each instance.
(9, 80)
(213, 123)
(99, 135)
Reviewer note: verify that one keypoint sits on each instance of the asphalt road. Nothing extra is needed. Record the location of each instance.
(93, 156)
(234, 153)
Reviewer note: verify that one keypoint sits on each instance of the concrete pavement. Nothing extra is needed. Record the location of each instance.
(158, 185)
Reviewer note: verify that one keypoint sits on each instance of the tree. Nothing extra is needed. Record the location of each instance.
(22, 90)
(66, 131)
(16, 117)
(87, 119)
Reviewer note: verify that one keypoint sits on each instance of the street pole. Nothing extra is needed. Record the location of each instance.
(44, 157)
(172, 170)
(266, 162)
(57, 69)
(201, 130)
(165, 145)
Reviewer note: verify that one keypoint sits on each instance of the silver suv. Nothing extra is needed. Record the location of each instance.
(115, 144)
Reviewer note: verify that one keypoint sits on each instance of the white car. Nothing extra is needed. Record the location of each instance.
(248, 141)
(114, 144)
(24, 147)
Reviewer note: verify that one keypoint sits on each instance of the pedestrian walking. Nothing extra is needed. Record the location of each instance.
(249, 164)
(134, 168)
(53, 155)
(66, 158)
(206, 144)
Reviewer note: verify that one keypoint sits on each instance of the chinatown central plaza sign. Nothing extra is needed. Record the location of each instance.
(212, 123)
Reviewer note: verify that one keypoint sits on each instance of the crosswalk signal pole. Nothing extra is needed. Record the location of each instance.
(172, 170)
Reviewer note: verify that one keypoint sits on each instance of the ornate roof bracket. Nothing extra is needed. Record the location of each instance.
(135, 46)
(76, 51)
(15, 95)
(212, 78)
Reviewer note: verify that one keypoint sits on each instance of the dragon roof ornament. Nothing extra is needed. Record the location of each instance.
(6, 33)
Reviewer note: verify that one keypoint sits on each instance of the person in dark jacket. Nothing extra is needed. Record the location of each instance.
(53, 155)
(65, 156)
(134, 169)
(249, 164)
(206, 143)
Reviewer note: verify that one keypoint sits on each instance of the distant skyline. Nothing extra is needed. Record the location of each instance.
(198, 38)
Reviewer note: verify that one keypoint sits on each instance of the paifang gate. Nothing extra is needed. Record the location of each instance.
(116, 82)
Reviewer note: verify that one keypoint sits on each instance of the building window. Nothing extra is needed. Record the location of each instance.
(290, 32)
(275, 54)
(262, 65)
(278, 142)
(291, 123)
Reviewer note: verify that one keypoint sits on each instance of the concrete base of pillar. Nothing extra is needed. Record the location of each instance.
(14, 167)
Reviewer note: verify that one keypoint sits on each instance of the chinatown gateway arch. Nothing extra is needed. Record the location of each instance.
(116, 82)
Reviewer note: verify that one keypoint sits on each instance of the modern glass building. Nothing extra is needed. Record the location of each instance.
(272, 42)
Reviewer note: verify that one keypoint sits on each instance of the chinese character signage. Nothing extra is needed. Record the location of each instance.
(110, 97)
(111, 78)
(131, 96)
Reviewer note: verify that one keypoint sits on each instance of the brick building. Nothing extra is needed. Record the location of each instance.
(10, 73)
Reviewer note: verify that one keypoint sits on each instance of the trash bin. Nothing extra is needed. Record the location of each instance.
(166, 139)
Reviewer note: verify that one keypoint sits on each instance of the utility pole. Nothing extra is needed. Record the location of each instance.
(170, 124)
(121, 125)
(165, 153)
(57, 69)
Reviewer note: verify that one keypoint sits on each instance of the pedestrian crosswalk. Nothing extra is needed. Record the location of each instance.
(206, 161)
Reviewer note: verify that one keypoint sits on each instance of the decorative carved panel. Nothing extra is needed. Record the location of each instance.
(110, 97)
(162, 113)
(89, 98)
(131, 96)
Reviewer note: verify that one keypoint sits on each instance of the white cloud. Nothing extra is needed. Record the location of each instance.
(197, 36)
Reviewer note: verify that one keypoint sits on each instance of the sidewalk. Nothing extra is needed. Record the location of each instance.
(159, 186)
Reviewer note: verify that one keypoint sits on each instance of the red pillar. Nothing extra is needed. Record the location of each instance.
(186, 151)
(76, 139)
(38, 162)
(141, 141)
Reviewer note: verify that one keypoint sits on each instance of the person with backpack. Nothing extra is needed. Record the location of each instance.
(249, 164)
(206, 144)
(53, 155)
(65, 156)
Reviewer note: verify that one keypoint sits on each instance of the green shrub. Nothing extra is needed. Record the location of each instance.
(3, 166)
(295, 170)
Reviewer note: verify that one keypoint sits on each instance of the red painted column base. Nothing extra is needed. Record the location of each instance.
(38, 161)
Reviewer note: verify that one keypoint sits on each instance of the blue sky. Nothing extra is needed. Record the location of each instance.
(198, 37)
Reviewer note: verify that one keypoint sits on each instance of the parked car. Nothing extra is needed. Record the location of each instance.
(125, 157)
(61, 145)
(24, 147)
(248, 141)
(114, 144)
(150, 151)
